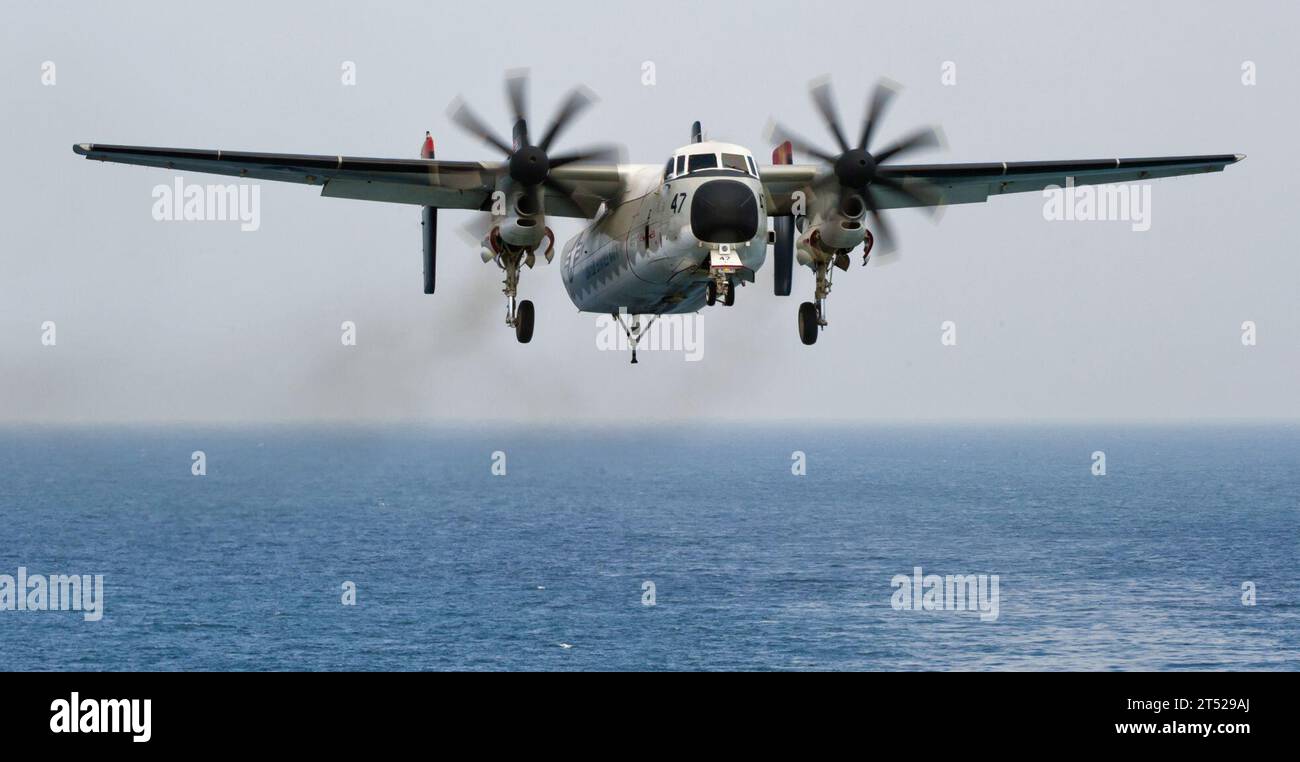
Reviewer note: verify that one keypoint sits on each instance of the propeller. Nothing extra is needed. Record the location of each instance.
(529, 164)
(855, 169)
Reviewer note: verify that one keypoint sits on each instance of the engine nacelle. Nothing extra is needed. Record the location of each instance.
(841, 233)
(830, 238)
(495, 244)
(522, 232)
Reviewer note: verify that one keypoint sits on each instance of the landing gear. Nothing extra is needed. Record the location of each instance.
(635, 331)
(808, 323)
(720, 285)
(824, 257)
(812, 315)
(511, 258)
(724, 262)
(518, 315)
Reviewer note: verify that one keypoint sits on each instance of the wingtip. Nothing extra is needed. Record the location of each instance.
(1236, 157)
(81, 149)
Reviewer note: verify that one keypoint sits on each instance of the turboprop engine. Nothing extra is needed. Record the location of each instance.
(511, 235)
(832, 238)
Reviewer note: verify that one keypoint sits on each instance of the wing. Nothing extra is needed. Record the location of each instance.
(974, 183)
(425, 182)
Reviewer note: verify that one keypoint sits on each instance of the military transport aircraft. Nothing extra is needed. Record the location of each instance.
(674, 237)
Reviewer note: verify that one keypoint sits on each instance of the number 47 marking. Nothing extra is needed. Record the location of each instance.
(678, 202)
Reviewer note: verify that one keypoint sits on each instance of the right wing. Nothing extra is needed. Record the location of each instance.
(425, 182)
(974, 183)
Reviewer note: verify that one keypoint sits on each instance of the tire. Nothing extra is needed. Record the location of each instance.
(730, 299)
(524, 314)
(808, 323)
(711, 294)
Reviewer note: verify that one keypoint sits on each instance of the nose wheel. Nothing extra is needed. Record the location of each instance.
(720, 287)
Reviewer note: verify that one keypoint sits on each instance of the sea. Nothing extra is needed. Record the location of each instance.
(707, 547)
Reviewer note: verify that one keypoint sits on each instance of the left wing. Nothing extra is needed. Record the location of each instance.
(974, 183)
(424, 182)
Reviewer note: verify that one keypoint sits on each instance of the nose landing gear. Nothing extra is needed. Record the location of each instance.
(720, 284)
(724, 262)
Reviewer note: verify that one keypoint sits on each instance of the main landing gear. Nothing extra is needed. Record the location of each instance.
(812, 315)
(519, 314)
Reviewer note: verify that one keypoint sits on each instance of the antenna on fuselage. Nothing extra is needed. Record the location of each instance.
(697, 132)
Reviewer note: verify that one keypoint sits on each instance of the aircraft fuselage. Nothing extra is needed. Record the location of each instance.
(650, 253)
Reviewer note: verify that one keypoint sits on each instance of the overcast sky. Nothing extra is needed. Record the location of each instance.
(198, 321)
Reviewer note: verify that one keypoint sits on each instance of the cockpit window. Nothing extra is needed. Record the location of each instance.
(681, 164)
(700, 161)
(734, 161)
(668, 169)
(753, 170)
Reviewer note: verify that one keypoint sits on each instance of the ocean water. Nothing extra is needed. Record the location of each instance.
(753, 567)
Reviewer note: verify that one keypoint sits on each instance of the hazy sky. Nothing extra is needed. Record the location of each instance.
(174, 321)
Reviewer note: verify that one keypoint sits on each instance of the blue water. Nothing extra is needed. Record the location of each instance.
(753, 567)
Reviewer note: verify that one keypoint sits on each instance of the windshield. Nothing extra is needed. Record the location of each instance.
(700, 161)
(735, 161)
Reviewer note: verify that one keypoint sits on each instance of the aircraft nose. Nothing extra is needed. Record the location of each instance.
(724, 211)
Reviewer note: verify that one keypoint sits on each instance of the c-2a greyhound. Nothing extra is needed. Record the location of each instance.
(675, 237)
